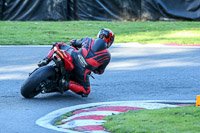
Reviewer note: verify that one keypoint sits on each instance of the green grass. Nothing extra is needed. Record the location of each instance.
(166, 120)
(59, 120)
(46, 33)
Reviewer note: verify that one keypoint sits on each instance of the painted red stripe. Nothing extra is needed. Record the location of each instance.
(89, 128)
(108, 108)
(78, 111)
(91, 117)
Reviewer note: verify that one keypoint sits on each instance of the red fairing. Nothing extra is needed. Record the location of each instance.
(66, 57)
(50, 54)
(68, 61)
(61, 43)
(77, 88)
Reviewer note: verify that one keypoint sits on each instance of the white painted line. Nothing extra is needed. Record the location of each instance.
(76, 123)
(16, 76)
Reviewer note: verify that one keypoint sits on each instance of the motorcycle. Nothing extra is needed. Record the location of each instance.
(49, 78)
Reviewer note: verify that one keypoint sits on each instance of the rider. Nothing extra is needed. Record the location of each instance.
(88, 55)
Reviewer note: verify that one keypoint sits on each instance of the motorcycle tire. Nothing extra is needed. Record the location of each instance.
(28, 88)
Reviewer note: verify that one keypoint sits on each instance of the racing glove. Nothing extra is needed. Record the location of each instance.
(72, 42)
(44, 62)
(77, 43)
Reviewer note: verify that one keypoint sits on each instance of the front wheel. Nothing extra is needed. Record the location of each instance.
(30, 85)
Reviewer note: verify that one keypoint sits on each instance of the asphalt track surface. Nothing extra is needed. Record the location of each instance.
(135, 73)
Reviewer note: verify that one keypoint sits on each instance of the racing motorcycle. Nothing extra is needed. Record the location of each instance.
(50, 78)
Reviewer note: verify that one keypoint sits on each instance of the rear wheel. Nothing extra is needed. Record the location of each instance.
(32, 85)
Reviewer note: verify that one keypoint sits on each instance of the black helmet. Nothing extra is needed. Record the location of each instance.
(107, 35)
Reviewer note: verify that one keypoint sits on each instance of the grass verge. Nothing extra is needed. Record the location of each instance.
(46, 33)
(166, 120)
(59, 120)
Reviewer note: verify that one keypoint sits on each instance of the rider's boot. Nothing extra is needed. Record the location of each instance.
(84, 95)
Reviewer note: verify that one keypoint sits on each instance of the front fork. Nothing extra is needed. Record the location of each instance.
(64, 74)
(62, 77)
(48, 85)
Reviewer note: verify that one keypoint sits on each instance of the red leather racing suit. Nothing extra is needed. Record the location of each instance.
(93, 55)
